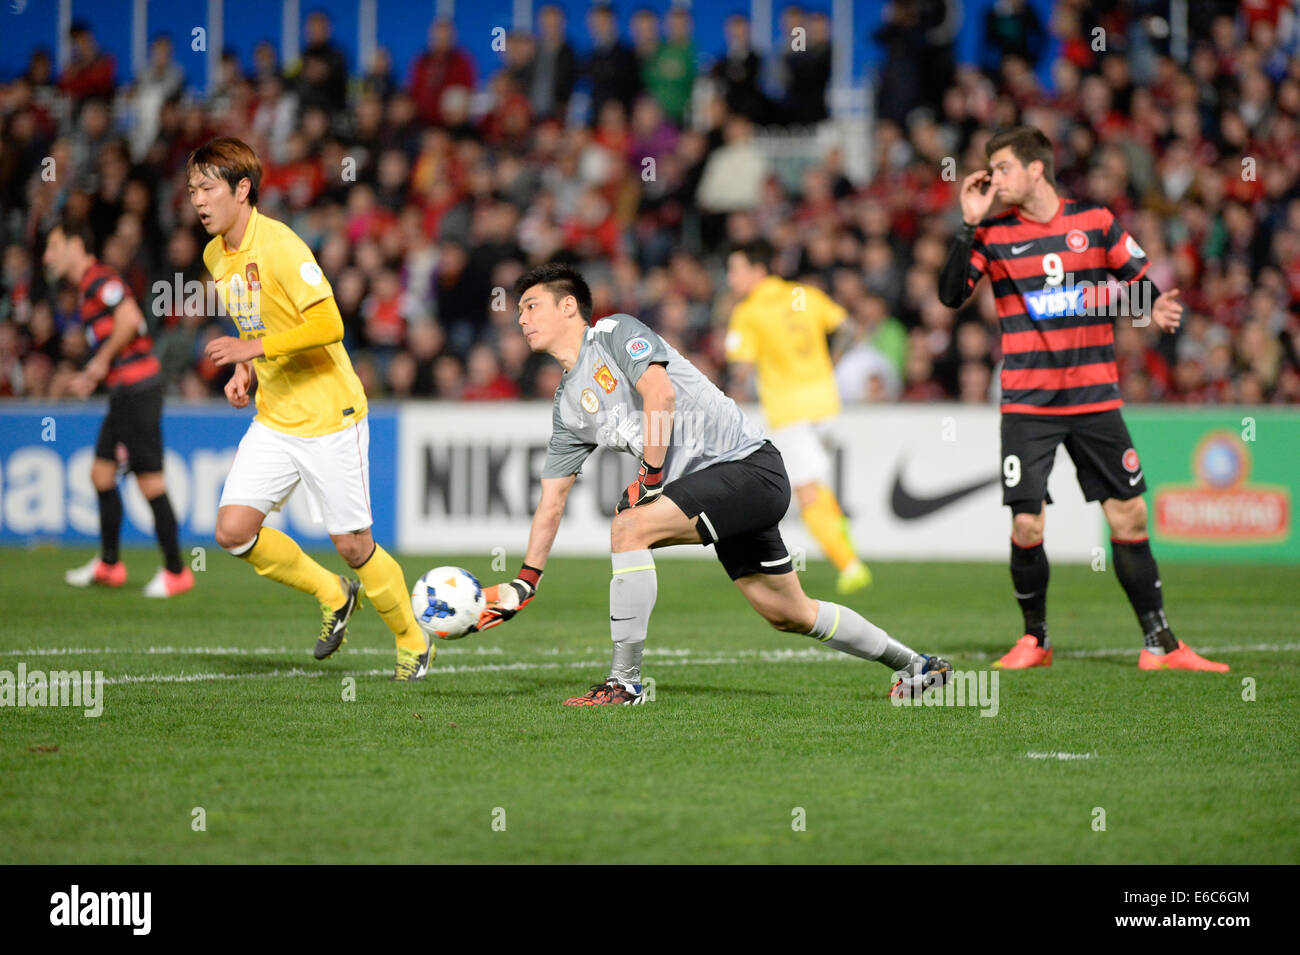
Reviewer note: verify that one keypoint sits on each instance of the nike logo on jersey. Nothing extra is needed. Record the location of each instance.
(908, 507)
(1132, 482)
(1017, 249)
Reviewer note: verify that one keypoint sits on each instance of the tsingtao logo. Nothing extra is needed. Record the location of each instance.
(1223, 506)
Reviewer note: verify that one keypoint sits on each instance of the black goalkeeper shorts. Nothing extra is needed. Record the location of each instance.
(739, 504)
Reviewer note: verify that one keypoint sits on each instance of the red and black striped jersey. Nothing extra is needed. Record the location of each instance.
(1056, 304)
(102, 291)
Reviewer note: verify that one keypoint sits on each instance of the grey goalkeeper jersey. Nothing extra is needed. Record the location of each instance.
(597, 405)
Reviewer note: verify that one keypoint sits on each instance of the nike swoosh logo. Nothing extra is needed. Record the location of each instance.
(909, 507)
(1017, 249)
(1132, 482)
(620, 619)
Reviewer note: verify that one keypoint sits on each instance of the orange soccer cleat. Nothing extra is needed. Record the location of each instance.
(1025, 654)
(1184, 658)
(97, 572)
(167, 584)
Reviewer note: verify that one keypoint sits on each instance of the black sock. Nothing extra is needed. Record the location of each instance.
(1140, 577)
(164, 526)
(1029, 575)
(110, 524)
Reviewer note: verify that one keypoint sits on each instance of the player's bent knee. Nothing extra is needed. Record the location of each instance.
(236, 536)
(1027, 529)
(627, 532)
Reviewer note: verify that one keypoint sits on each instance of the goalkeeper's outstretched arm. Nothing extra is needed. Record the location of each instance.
(546, 519)
(506, 600)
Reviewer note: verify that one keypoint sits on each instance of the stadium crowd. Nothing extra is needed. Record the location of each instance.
(425, 195)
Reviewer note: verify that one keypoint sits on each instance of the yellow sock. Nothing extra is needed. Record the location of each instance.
(278, 556)
(826, 522)
(385, 588)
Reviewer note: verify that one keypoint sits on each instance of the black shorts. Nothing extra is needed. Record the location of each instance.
(134, 420)
(739, 504)
(1098, 444)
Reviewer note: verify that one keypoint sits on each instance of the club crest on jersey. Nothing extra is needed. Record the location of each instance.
(637, 347)
(590, 403)
(605, 378)
(254, 280)
(1076, 240)
(1131, 463)
(111, 293)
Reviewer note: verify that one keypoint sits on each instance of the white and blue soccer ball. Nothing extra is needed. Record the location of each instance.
(447, 602)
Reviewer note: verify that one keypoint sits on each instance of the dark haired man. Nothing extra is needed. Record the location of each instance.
(311, 425)
(123, 359)
(1049, 259)
(706, 476)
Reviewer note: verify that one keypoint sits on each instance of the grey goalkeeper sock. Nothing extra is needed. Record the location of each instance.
(849, 632)
(632, 592)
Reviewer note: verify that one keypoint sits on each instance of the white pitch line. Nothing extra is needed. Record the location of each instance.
(1056, 755)
(434, 670)
(225, 651)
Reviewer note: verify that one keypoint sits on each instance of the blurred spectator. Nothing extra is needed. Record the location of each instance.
(90, 71)
(161, 80)
(670, 74)
(806, 65)
(738, 67)
(323, 80)
(442, 74)
(609, 65)
(554, 65)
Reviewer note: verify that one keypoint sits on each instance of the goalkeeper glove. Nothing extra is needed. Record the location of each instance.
(649, 484)
(506, 600)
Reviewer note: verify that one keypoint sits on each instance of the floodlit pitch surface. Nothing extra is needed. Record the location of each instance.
(222, 740)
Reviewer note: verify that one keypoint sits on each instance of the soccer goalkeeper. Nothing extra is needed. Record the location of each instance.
(706, 476)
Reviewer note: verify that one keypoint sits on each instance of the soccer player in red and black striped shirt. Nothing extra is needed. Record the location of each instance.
(1050, 260)
(122, 359)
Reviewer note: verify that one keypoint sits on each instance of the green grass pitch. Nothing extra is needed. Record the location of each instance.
(214, 702)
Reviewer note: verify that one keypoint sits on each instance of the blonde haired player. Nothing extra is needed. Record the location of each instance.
(311, 408)
(779, 329)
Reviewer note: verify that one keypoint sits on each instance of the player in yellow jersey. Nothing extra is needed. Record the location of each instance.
(778, 329)
(311, 408)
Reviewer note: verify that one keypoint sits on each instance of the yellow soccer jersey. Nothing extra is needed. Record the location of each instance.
(266, 285)
(781, 328)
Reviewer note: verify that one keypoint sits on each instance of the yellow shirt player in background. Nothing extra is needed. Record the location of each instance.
(311, 423)
(778, 329)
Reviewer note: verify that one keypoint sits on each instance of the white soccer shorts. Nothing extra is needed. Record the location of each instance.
(803, 447)
(334, 470)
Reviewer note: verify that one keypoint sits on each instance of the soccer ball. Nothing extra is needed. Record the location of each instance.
(447, 602)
